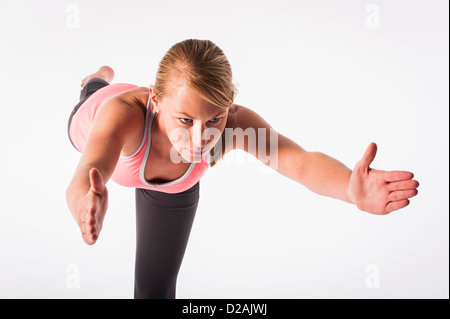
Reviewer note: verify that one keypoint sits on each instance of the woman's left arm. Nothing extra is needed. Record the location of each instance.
(374, 191)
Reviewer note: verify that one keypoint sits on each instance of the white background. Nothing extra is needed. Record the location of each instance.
(324, 73)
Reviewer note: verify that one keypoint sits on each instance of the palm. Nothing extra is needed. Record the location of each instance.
(380, 192)
(93, 208)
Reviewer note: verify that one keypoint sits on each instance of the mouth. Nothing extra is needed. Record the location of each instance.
(195, 153)
(205, 151)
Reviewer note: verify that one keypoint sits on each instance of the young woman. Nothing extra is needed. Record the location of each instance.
(160, 140)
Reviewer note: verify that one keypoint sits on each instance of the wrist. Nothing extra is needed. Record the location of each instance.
(349, 194)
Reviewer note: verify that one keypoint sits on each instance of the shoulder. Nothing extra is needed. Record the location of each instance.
(123, 112)
(130, 105)
(134, 99)
(243, 117)
(243, 121)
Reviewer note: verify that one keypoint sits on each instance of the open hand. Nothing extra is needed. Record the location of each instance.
(93, 208)
(380, 192)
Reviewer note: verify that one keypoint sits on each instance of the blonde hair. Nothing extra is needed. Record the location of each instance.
(203, 67)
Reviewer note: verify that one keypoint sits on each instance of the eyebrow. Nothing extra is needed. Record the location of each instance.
(185, 114)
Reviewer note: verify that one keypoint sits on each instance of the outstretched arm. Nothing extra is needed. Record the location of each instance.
(318, 172)
(373, 191)
(87, 194)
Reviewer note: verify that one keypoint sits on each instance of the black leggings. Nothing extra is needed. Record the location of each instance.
(163, 225)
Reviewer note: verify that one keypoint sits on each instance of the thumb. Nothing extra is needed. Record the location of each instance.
(96, 180)
(368, 157)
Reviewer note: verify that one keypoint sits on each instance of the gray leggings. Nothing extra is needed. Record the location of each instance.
(163, 225)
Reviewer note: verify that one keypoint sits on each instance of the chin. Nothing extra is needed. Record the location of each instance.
(188, 158)
(193, 159)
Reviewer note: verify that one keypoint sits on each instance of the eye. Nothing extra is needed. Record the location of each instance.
(185, 121)
(188, 121)
(217, 119)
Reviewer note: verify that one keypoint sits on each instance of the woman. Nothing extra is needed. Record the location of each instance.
(161, 140)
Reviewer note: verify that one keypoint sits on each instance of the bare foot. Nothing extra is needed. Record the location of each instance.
(105, 72)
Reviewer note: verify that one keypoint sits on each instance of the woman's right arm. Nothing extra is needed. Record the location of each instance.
(87, 195)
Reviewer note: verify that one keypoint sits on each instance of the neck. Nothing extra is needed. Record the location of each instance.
(160, 141)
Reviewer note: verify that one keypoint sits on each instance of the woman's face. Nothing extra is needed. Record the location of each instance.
(192, 124)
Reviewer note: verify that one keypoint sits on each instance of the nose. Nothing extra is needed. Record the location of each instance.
(197, 141)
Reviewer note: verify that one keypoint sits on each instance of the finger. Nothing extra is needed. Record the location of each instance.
(403, 185)
(84, 229)
(400, 195)
(82, 217)
(90, 219)
(87, 219)
(90, 239)
(96, 180)
(392, 206)
(91, 211)
(395, 176)
(368, 157)
(88, 228)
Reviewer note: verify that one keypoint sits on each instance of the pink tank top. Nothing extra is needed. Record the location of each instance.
(130, 169)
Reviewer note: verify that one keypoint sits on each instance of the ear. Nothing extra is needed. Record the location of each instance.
(153, 97)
